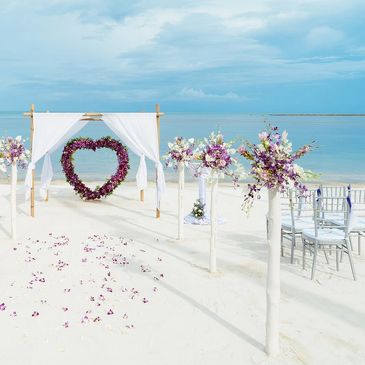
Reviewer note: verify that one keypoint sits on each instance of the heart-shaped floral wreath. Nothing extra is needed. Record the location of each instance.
(87, 143)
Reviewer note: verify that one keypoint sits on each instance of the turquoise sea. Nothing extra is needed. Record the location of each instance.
(339, 155)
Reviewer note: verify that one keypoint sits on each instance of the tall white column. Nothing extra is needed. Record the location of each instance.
(202, 189)
(14, 178)
(273, 274)
(213, 224)
(181, 172)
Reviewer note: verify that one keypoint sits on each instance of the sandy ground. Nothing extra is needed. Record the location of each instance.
(92, 282)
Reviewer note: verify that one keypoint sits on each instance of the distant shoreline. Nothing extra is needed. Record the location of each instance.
(314, 115)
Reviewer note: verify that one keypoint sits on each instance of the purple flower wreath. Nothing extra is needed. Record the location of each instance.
(87, 143)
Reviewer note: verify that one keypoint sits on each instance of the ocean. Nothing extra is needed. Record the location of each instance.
(339, 154)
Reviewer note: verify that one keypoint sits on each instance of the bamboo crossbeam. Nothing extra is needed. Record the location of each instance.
(92, 119)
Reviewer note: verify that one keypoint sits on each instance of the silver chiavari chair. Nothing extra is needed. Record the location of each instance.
(357, 214)
(325, 235)
(297, 214)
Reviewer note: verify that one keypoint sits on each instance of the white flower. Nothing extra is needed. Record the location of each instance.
(284, 136)
(299, 170)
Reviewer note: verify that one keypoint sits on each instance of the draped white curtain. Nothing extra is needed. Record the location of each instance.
(49, 129)
(140, 134)
(47, 170)
(137, 130)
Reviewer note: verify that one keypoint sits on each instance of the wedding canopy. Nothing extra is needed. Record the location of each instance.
(139, 131)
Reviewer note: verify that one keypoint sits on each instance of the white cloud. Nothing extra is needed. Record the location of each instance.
(324, 37)
(191, 93)
(147, 49)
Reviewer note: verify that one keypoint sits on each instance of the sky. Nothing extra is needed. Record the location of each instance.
(304, 56)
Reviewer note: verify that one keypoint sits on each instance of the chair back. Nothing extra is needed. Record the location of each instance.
(333, 191)
(327, 206)
(357, 199)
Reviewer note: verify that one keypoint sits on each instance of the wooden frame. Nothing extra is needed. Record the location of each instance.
(88, 117)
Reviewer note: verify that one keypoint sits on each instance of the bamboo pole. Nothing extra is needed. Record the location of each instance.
(273, 274)
(213, 224)
(181, 172)
(32, 193)
(14, 177)
(141, 195)
(158, 212)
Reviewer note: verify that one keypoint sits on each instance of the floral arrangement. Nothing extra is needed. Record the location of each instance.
(180, 151)
(272, 164)
(12, 150)
(198, 209)
(217, 155)
(87, 143)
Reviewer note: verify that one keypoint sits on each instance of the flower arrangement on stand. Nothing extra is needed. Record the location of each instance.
(218, 156)
(179, 155)
(13, 153)
(198, 209)
(273, 167)
(180, 151)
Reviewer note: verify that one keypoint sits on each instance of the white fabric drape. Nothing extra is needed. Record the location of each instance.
(49, 129)
(47, 170)
(139, 133)
(47, 175)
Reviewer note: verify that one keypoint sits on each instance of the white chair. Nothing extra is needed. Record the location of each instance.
(333, 191)
(324, 235)
(297, 214)
(357, 215)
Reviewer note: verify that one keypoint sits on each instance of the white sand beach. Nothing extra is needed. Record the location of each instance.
(106, 282)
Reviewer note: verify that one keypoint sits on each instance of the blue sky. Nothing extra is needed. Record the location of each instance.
(193, 56)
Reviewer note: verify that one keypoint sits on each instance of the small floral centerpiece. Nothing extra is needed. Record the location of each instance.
(273, 165)
(218, 155)
(12, 150)
(198, 209)
(180, 151)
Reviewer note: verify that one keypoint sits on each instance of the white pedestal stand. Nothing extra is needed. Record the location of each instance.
(273, 274)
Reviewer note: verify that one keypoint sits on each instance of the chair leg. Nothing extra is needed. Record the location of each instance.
(359, 243)
(337, 259)
(351, 261)
(314, 260)
(292, 248)
(282, 244)
(303, 254)
(350, 243)
(325, 255)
